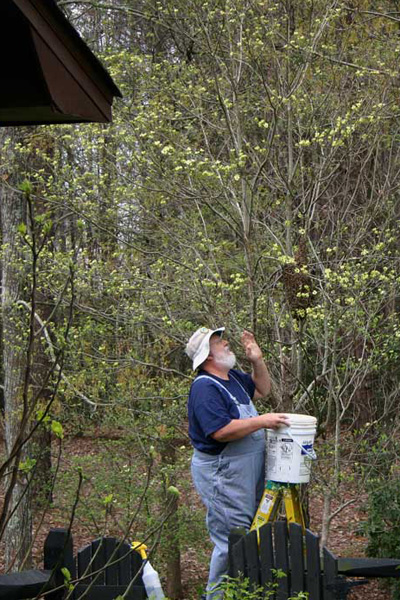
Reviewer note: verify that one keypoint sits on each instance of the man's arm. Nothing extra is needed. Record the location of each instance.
(260, 374)
(239, 428)
(261, 379)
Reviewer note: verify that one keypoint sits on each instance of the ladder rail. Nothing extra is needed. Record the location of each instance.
(274, 495)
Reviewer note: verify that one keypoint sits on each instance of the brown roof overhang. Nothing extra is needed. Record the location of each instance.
(49, 74)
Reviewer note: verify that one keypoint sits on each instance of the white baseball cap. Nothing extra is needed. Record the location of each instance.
(198, 347)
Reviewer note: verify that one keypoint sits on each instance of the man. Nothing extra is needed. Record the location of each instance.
(228, 438)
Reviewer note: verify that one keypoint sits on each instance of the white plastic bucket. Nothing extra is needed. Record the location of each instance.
(290, 450)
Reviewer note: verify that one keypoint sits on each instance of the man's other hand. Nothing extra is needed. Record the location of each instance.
(252, 349)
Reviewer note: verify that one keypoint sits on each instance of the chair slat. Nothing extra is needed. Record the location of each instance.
(238, 556)
(266, 555)
(58, 547)
(84, 566)
(252, 560)
(110, 553)
(234, 536)
(282, 558)
(296, 559)
(124, 564)
(99, 560)
(136, 565)
(313, 566)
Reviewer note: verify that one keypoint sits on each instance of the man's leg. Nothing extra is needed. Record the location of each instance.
(228, 487)
(220, 522)
(219, 533)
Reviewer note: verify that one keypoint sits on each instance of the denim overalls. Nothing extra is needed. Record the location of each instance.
(230, 485)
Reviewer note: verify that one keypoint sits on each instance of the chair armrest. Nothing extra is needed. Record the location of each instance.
(369, 567)
(26, 584)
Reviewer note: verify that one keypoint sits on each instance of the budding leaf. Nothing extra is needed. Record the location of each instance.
(67, 574)
(57, 429)
(26, 187)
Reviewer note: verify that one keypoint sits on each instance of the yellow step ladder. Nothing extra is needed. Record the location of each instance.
(271, 501)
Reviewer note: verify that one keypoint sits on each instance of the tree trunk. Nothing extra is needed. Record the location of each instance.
(326, 513)
(18, 531)
(39, 160)
(171, 536)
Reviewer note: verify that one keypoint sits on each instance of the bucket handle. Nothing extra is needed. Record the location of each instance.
(311, 454)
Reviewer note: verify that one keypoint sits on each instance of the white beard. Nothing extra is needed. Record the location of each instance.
(226, 360)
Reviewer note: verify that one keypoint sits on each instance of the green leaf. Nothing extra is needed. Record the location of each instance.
(27, 465)
(26, 187)
(67, 574)
(47, 226)
(57, 429)
(40, 417)
(67, 579)
(108, 499)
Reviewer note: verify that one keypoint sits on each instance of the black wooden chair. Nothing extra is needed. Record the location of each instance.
(106, 568)
(298, 557)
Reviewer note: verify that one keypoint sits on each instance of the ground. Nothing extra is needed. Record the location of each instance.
(344, 538)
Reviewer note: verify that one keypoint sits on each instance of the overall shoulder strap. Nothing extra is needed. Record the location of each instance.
(238, 382)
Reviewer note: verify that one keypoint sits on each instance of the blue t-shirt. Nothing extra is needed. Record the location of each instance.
(210, 407)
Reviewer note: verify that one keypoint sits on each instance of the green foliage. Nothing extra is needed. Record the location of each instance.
(67, 579)
(249, 178)
(382, 526)
(382, 508)
(27, 465)
(118, 479)
(241, 588)
(57, 429)
(168, 204)
(26, 187)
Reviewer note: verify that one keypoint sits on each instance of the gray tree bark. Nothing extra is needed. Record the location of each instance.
(17, 519)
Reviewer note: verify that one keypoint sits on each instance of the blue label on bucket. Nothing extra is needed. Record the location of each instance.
(306, 449)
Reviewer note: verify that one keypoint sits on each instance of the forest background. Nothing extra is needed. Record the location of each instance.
(250, 178)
